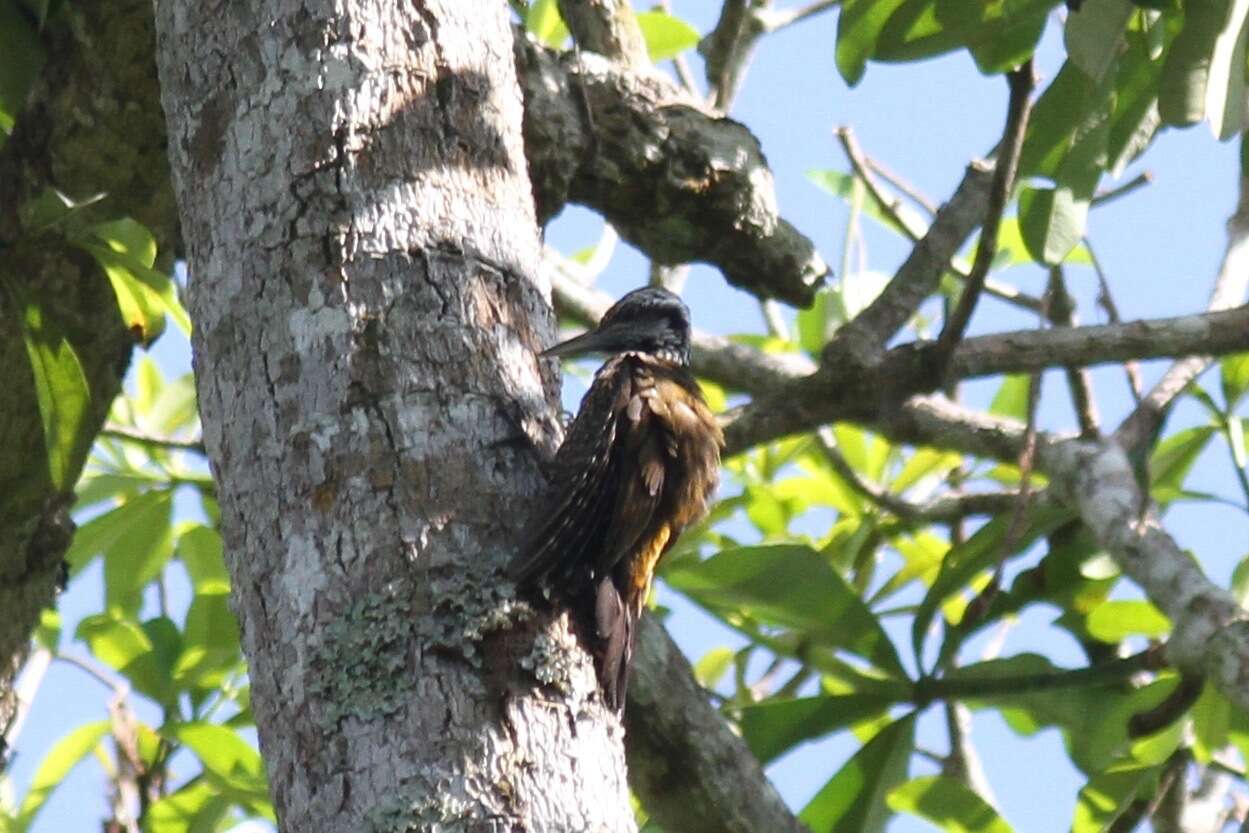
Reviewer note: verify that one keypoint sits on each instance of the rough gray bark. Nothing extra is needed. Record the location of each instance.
(363, 253)
(85, 131)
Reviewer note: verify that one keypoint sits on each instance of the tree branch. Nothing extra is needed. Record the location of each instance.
(861, 340)
(871, 394)
(681, 185)
(607, 27)
(1021, 81)
(1229, 290)
(1210, 633)
(686, 765)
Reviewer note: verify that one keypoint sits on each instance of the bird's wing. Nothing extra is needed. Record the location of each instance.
(562, 540)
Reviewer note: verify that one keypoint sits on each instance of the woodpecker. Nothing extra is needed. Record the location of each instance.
(638, 465)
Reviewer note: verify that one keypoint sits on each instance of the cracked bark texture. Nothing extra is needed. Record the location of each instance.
(89, 127)
(676, 182)
(363, 253)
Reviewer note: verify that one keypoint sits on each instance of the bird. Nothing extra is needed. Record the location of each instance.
(639, 464)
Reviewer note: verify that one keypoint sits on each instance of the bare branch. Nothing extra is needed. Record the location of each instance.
(871, 395)
(946, 508)
(122, 432)
(1229, 290)
(860, 340)
(1021, 81)
(776, 19)
(910, 226)
(1079, 381)
(1210, 629)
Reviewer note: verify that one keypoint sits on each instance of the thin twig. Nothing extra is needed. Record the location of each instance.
(1135, 183)
(121, 432)
(902, 185)
(776, 20)
(27, 687)
(1107, 302)
(120, 688)
(1229, 291)
(1021, 81)
(930, 689)
(1079, 380)
(864, 166)
(945, 509)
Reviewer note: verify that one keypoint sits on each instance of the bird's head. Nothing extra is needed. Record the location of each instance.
(650, 320)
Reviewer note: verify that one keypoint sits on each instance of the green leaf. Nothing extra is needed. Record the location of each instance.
(1093, 719)
(1107, 794)
(948, 804)
(1116, 619)
(544, 22)
(197, 807)
(791, 586)
(666, 36)
(48, 632)
(122, 645)
(853, 800)
(1052, 221)
(61, 390)
(1234, 377)
(199, 547)
(63, 757)
(774, 727)
(135, 540)
(1240, 582)
(1008, 45)
(978, 553)
(229, 761)
(924, 28)
(858, 28)
(1173, 458)
(144, 294)
(713, 666)
(23, 60)
(1094, 35)
(1212, 717)
(1011, 399)
(210, 643)
(1203, 74)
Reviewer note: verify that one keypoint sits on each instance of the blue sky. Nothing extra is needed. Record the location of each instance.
(1160, 248)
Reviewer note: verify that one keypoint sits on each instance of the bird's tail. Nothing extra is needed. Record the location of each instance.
(615, 631)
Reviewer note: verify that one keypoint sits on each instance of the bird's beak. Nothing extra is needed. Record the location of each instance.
(588, 342)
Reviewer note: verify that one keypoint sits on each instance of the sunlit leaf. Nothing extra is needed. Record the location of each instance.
(790, 586)
(61, 758)
(544, 22)
(947, 803)
(666, 36)
(122, 645)
(853, 800)
(1107, 794)
(858, 27)
(1115, 620)
(1234, 377)
(61, 390)
(229, 761)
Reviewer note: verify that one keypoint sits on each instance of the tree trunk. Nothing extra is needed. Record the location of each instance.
(362, 244)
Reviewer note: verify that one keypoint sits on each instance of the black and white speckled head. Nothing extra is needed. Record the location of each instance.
(651, 320)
